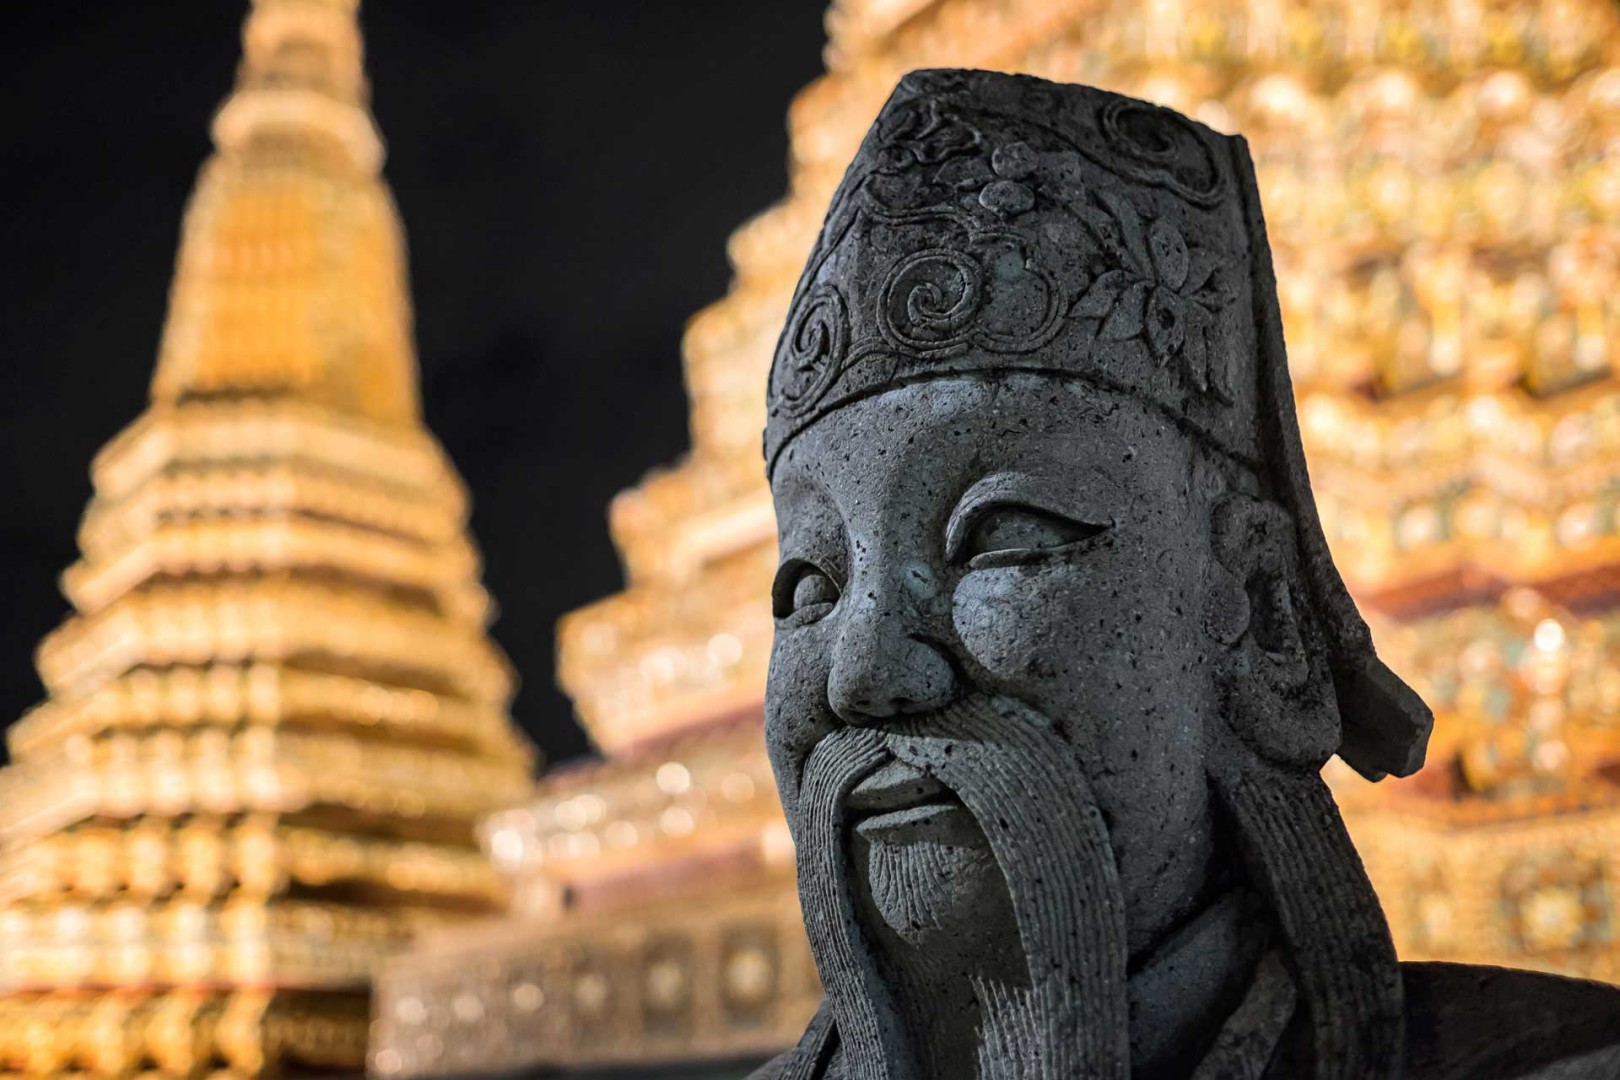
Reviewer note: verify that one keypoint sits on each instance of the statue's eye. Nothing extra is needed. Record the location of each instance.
(1014, 535)
(803, 589)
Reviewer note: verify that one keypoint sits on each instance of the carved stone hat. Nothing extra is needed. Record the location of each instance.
(1001, 223)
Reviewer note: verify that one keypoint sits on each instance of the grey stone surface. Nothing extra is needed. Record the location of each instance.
(1060, 650)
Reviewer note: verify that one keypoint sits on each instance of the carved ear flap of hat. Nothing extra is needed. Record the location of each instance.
(1385, 724)
(1284, 704)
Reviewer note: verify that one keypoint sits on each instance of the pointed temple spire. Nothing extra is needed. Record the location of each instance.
(301, 77)
(291, 277)
(276, 714)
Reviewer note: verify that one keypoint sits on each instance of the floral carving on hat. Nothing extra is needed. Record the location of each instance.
(1161, 290)
(923, 132)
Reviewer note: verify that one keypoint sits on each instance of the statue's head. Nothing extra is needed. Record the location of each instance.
(1060, 649)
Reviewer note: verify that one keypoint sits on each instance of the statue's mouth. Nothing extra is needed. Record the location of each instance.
(900, 802)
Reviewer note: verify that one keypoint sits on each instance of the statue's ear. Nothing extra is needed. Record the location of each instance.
(1279, 693)
(1250, 605)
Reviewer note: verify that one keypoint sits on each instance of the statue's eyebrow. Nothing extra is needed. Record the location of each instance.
(1083, 503)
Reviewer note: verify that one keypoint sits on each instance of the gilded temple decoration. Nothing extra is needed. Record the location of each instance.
(275, 715)
(1441, 180)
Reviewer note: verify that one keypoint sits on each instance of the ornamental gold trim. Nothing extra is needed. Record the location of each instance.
(731, 977)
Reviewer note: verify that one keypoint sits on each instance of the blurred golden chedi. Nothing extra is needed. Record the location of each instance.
(276, 714)
(1442, 187)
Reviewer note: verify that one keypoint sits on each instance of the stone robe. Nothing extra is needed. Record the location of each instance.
(1463, 1022)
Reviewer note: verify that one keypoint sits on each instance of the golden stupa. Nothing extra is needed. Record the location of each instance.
(275, 715)
(1441, 180)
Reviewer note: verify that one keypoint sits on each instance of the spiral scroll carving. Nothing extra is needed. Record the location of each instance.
(1158, 146)
(812, 351)
(930, 300)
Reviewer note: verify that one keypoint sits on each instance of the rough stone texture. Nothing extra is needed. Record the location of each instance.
(1060, 648)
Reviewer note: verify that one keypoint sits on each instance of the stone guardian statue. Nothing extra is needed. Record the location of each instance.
(1060, 650)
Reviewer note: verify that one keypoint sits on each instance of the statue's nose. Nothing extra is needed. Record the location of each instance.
(885, 664)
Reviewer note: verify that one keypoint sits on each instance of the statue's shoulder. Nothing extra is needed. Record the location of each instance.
(1465, 1022)
(812, 1059)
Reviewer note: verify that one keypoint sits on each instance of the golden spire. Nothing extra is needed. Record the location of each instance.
(291, 277)
(276, 713)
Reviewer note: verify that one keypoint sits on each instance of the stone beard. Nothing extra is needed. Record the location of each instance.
(1060, 650)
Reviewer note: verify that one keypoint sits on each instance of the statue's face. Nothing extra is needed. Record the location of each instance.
(1027, 538)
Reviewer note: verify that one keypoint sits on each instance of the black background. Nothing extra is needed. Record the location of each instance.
(567, 173)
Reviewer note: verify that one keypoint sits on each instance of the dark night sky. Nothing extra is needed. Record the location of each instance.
(568, 174)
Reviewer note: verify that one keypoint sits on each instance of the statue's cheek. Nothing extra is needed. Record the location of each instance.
(797, 715)
(1018, 623)
(1075, 638)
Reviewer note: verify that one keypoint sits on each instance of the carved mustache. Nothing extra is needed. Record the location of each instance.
(1053, 852)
